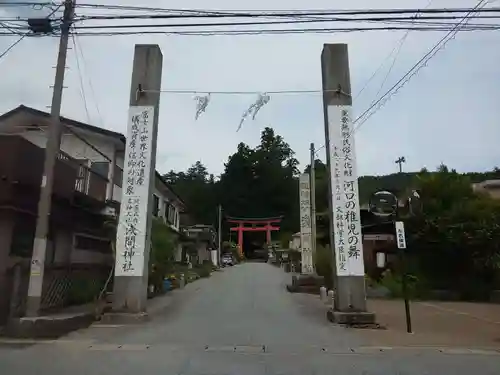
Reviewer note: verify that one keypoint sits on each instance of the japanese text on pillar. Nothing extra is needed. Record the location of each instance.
(305, 223)
(345, 199)
(351, 214)
(134, 206)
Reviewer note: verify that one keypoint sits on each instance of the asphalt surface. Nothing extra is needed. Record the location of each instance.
(239, 321)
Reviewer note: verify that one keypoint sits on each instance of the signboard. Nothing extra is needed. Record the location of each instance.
(305, 223)
(400, 234)
(136, 194)
(345, 193)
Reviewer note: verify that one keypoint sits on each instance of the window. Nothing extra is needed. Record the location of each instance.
(166, 206)
(118, 176)
(156, 205)
(90, 243)
(171, 214)
(101, 168)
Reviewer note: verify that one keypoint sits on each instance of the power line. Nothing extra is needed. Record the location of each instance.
(283, 12)
(78, 49)
(304, 17)
(225, 24)
(12, 45)
(431, 24)
(283, 31)
(27, 4)
(22, 35)
(415, 68)
(195, 92)
(82, 86)
(486, 27)
(250, 32)
(397, 49)
(294, 20)
(423, 26)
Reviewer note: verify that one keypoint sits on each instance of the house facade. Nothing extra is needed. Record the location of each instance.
(87, 194)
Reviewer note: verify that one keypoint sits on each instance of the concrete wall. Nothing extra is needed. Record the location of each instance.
(295, 243)
(203, 254)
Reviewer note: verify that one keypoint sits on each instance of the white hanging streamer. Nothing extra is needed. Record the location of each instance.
(261, 101)
(201, 104)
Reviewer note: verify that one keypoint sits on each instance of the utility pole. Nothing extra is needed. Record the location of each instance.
(46, 186)
(313, 201)
(401, 160)
(347, 261)
(219, 244)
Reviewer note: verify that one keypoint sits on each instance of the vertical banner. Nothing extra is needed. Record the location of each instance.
(305, 224)
(136, 194)
(345, 194)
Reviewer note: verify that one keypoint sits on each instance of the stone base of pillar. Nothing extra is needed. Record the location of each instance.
(352, 318)
(306, 283)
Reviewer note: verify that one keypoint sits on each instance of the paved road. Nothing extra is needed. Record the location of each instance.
(239, 321)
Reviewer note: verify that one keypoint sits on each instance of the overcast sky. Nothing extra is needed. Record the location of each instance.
(449, 112)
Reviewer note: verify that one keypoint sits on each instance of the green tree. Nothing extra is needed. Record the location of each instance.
(163, 246)
(455, 244)
(197, 187)
(262, 181)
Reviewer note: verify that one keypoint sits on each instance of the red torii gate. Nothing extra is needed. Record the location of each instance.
(257, 225)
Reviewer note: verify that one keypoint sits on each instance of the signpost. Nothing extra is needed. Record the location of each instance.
(385, 204)
(344, 214)
(401, 242)
(400, 234)
(133, 238)
(305, 224)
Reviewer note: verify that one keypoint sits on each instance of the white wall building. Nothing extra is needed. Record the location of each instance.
(295, 242)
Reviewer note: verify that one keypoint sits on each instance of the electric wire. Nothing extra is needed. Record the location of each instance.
(410, 73)
(414, 69)
(82, 86)
(79, 50)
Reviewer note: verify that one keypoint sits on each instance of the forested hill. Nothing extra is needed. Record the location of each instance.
(402, 181)
(262, 181)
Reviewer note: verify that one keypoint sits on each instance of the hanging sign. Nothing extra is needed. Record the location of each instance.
(132, 223)
(345, 193)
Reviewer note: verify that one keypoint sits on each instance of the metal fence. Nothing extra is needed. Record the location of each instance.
(63, 286)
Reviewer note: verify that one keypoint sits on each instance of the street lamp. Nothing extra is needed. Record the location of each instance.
(401, 160)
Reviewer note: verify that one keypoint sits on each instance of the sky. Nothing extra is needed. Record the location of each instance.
(447, 113)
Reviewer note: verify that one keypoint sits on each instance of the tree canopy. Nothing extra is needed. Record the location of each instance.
(455, 243)
(256, 182)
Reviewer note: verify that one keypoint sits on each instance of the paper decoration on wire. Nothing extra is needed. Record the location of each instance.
(261, 101)
(201, 104)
